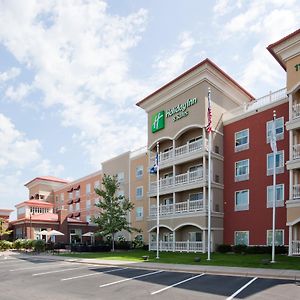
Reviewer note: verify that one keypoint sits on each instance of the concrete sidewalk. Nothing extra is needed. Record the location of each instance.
(220, 270)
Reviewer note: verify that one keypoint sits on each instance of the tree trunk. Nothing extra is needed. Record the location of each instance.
(113, 242)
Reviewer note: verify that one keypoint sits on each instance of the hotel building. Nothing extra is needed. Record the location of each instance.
(242, 164)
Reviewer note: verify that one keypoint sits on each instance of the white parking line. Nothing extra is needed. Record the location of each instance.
(242, 288)
(177, 283)
(131, 278)
(39, 267)
(57, 271)
(14, 261)
(94, 274)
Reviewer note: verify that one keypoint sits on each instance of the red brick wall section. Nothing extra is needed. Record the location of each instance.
(258, 219)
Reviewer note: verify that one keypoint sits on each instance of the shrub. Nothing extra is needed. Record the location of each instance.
(138, 243)
(239, 248)
(28, 244)
(224, 248)
(39, 245)
(18, 244)
(5, 245)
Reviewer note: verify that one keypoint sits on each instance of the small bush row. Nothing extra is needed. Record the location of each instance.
(5, 245)
(225, 248)
(24, 244)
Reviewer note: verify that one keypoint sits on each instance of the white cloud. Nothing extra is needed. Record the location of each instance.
(62, 150)
(169, 64)
(17, 93)
(16, 150)
(10, 74)
(45, 167)
(79, 54)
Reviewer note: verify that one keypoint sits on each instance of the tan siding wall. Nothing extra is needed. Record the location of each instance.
(293, 76)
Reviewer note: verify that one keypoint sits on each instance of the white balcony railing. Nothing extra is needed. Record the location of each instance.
(295, 247)
(177, 208)
(296, 191)
(179, 152)
(181, 179)
(296, 110)
(180, 246)
(296, 151)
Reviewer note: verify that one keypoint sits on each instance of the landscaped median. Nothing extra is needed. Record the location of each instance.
(217, 259)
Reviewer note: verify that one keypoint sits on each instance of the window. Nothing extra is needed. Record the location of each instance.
(139, 171)
(279, 128)
(167, 201)
(70, 195)
(195, 236)
(279, 237)
(279, 195)
(242, 200)
(196, 196)
(88, 218)
(139, 213)
(88, 204)
(77, 207)
(279, 158)
(242, 140)
(139, 192)
(96, 184)
(88, 189)
(242, 170)
(194, 139)
(77, 194)
(241, 238)
(62, 198)
(70, 208)
(120, 176)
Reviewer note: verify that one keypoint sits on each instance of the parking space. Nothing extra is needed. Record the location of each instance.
(34, 278)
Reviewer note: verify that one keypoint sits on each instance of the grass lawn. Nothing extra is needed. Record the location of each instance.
(217, 259)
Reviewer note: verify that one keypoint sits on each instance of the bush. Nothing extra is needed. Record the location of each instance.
(28, 244)
(239, 248)
(224, 248)
(5, 245)
(123, 245)
(137, 243)
(38, 245)
(18, 244)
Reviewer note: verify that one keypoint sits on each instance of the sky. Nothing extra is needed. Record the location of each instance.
(71, 72)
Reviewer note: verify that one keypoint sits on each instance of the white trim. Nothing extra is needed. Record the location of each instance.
(243, 177)
(270, 230)
(278, 202)
(160, 225)
(187, 224)
(139, 197)
(248, 196)
(246, 231)
(280, 169)
(279, 136)
(244, 146)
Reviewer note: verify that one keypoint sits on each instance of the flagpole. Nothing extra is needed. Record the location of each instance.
(209, 183)
(157, 200)
(274, 186)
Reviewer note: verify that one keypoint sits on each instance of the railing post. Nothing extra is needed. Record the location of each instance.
(188, 205)
(188, 246)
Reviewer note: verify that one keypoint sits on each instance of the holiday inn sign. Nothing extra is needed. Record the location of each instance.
(177, 112)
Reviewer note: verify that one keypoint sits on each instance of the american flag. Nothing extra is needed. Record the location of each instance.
(209, 114)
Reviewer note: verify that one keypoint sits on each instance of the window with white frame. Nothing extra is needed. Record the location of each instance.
(279, 237)
(77, 207)
(242, 200)
(77, 194)
(279, 129)
(88, 204)
(70, 195)
(242, 170)
(279, 195)
(139, 192)
(139, 171)
(242, 140)
(88, 188)
(279, 162)
(120, 176)
(195, 236)
(139, 213)
(196, 196)
(241, 238)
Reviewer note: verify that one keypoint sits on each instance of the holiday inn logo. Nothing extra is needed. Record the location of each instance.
(158, 121)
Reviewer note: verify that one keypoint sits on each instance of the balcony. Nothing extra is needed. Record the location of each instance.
(296, 191)
(296, 110)
(177, 183)
(178, 208)
(296, 151)
(180, 246)
(183, 152)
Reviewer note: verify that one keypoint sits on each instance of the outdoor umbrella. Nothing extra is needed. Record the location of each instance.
(55, 233)
(91, 235)
(44, 232)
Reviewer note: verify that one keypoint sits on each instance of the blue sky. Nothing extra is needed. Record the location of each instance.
(72, 71)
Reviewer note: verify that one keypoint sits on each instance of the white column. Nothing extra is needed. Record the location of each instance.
(174, 240)
(203, 241)
(290, 106)
(290, 239)
(291, 173)
(291, 138)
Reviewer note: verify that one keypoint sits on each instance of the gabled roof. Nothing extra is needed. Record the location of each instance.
(48, 178)
(272, 47)
(206, 61)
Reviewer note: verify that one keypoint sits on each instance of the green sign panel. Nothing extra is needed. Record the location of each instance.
(158, 121)
(297, 67)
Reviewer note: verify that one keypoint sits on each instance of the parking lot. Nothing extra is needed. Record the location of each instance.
(38, 278)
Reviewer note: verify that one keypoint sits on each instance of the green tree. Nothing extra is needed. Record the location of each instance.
(113, 209)
(3, 228)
